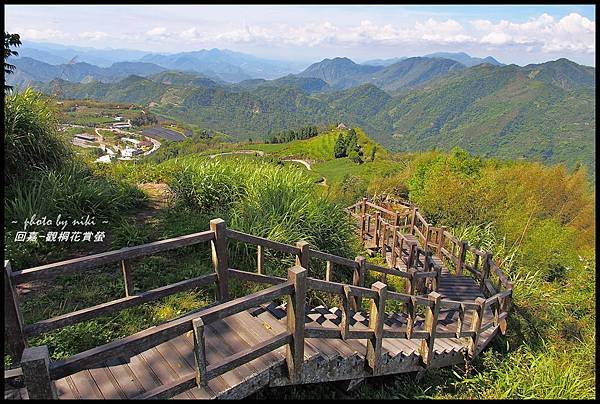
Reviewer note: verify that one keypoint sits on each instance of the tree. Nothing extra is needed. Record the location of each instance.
(9, 40)
(340, 147)
(353, 155)
(373, 150)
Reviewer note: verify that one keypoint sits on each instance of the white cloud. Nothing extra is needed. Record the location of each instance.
(571, 33)
(157, 32)
(94, 36)
(43, 35)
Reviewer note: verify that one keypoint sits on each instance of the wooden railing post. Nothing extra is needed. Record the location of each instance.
(377, 228)
(427, 236)
(35, 365)
(411, 285)
(295, 322)
(345, 323)
(461, 257)
(303, 258)
(358, 279)
(220, 257)
(411, 312)
(504, 308)
(413, 221)
(363, 219)
(199, 352)
(394, 244)
(476, 325)
(260, 260)
(441, 240)
(14, 340)
(376, 319)
(411, 255)
(383, 238)
(127, 279)
(485, 271)
(431, 319)
(329, 271)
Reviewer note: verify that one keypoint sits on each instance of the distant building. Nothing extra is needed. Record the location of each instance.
(128, 152)
(130, 140)
(104, 159)
(342, 126)
(85, 136)
(120, 125)
(145, 143)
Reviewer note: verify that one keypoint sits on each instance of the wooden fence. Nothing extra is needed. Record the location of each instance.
(38, 371)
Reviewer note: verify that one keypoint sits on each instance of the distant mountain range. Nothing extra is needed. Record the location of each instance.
(219, 65)
(30, 70)
(540, 111)
(460, 57)
(544, 112)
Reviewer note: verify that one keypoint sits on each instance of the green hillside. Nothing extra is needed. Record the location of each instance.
(320, 148)
(539, 112)
(497, 111)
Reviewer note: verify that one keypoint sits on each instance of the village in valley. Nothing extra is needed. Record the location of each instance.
(111, 131)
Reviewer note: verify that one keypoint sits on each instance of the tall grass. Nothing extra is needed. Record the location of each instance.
(31, 141)
(276, 202)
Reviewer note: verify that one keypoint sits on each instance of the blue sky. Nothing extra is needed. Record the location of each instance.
(512, 34)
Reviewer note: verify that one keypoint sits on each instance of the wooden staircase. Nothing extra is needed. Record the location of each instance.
(237, 347)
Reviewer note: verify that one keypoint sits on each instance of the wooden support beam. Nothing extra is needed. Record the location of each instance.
(476, 326)
(220, 257)
(127, 279)
(260, 260)
(35, 364)
(14, 341)
(295, 323)
(200, 352)
(376, 319)
(431, 319)
(358, 279)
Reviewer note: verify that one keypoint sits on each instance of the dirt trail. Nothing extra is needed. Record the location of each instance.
(159, 196)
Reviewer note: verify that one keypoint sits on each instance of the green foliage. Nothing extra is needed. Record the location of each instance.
(31, 141)
(10, 40)
(340, 147)
(294, 134)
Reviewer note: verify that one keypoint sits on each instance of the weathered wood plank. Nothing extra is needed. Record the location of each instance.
(248, 355)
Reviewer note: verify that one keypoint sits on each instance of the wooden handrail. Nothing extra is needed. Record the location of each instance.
(50, 271)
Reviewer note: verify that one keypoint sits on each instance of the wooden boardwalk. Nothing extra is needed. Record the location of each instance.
(245, 347)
